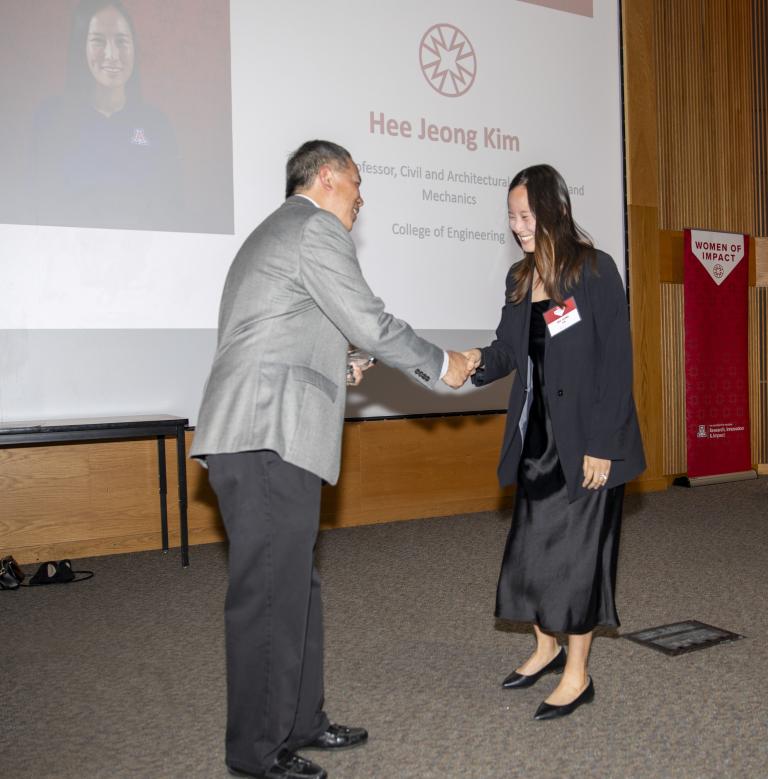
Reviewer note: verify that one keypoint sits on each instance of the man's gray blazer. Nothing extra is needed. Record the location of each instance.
(293, 299)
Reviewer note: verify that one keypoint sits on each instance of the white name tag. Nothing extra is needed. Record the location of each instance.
(562, 317)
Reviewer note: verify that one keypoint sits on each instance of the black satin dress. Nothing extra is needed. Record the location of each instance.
(559, 566)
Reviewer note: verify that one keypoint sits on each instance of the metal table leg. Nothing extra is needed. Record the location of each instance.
(181, 454)
(163, 491)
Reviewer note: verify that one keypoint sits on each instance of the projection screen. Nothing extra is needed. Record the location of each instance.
(118, 222)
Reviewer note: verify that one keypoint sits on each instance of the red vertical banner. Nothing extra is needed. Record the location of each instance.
(716, 352)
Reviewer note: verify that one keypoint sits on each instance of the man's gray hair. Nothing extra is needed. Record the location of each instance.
(304, 164)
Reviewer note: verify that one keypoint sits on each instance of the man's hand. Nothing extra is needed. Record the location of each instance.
(354, 375)
(459, 370)
(355, 370)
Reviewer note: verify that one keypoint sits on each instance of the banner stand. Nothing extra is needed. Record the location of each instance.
(715, 282)
(702, 481)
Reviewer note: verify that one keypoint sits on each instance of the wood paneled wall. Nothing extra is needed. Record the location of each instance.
(760, 79)
(640, 100)
(673, 363)
(74, 500)
(758, 373)
(704, 65)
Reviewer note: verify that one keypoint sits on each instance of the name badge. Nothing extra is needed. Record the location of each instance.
(562, 317)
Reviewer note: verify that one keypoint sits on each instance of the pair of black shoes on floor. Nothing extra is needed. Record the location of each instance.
(50, 572)
(516, 681)
(289, 765)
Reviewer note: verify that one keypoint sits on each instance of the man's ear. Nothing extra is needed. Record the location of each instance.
(326, 177)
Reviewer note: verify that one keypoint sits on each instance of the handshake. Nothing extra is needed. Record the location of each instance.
(462, 365)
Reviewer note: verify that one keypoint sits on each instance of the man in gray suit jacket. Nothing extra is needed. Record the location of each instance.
(270, 429)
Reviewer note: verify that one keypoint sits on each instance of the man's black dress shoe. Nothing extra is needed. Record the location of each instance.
(286, 766)
(547, 711)
(339, 737)
(516, 681)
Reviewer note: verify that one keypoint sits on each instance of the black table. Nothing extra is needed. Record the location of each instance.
(25, 433)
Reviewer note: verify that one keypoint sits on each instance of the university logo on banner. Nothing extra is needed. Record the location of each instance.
(716, 353)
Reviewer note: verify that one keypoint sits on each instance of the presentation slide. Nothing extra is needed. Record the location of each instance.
(142, 142)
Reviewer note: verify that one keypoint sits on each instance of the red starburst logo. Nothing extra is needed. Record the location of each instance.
(448, 60)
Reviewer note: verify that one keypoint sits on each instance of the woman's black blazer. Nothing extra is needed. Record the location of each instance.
(588, 378)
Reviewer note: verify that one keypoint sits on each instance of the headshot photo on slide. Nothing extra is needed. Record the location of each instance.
(114, 124)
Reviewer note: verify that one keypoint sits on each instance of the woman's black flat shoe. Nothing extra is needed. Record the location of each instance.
(547, 711)
(516, 681)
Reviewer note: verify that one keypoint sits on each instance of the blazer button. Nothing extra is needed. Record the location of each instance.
(559, 393)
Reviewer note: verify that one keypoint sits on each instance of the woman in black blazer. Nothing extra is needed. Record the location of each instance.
(572, 439)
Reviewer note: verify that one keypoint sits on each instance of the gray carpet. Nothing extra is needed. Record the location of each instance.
(123, 675)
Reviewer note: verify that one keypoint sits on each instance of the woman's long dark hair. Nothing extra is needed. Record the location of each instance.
(562, 246)
(79, 77)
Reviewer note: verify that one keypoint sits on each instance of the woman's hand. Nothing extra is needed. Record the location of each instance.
(596, 472)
